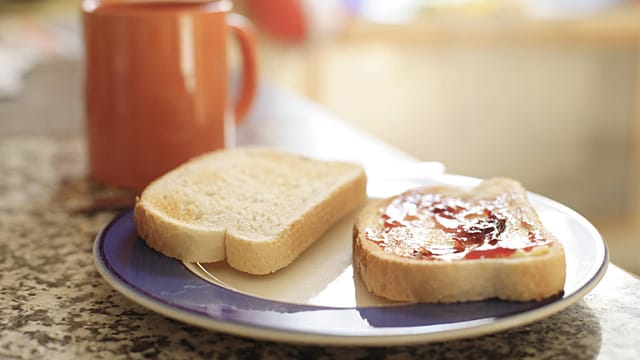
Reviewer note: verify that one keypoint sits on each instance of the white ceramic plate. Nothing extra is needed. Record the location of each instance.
(317, 299)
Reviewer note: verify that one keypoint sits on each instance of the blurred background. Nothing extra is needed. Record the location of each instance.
(547, 92)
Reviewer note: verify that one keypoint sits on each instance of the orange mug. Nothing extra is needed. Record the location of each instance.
(157, 88)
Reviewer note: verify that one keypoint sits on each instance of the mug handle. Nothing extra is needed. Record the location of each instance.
(241, 28)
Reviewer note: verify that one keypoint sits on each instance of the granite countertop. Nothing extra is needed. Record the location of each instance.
(55, 305)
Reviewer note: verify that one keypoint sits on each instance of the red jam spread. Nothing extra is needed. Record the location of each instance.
(431, 226)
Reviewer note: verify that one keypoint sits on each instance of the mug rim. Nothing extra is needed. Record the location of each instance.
(208, 6)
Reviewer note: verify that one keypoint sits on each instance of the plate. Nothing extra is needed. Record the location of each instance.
(317, 300)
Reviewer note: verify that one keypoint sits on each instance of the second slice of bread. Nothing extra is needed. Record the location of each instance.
(258, 208)
(397, 260)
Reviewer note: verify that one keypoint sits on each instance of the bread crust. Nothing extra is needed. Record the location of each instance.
(534, 276)
(176, 238)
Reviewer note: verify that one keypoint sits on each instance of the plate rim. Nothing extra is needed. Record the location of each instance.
(407, 335)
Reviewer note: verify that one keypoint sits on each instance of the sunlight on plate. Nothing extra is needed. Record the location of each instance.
(322, 275)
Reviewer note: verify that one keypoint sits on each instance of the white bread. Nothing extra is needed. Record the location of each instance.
(258, 208)
(397, 273)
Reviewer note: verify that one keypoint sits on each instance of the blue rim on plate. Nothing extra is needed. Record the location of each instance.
(164, 285)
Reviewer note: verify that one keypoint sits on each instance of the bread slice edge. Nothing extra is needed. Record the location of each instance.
(196, 244)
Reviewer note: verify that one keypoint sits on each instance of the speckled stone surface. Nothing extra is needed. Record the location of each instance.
(55, 305)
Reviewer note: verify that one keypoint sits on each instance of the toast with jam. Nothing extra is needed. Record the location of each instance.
(444, 244)
(258, 208)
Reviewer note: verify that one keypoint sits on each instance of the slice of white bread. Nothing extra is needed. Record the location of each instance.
(258, 208)
(427, 251)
